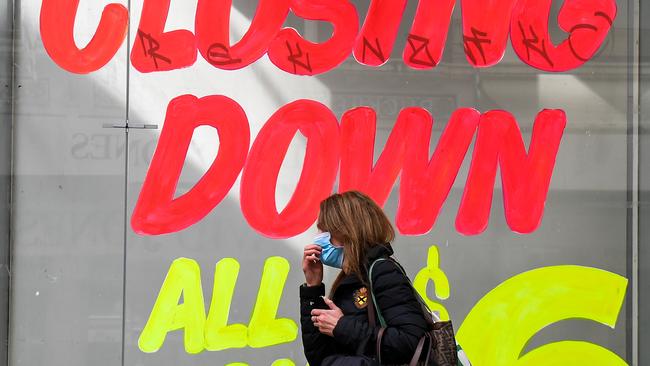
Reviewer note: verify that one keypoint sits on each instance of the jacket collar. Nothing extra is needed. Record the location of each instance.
(374, 253)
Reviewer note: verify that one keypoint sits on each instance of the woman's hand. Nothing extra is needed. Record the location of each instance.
(326, 320)
(312, 266)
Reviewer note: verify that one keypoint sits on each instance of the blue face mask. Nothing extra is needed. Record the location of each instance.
(331, 255)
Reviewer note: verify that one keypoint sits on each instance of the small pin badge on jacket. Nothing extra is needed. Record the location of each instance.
(361, 298)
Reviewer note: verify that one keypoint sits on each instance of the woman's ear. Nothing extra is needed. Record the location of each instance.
(336, 242)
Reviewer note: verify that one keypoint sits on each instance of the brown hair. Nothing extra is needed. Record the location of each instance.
(359, 223)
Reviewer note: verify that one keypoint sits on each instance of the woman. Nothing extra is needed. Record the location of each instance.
(337, 331)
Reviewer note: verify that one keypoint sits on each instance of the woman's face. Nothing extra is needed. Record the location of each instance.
(333, 240)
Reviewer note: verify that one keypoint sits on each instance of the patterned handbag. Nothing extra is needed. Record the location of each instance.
(439, 341)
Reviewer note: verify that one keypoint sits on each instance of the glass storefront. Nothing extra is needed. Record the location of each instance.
(165, 160)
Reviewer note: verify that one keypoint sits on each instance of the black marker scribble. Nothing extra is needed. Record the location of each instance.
(533, 44)
(295, 58)
(419, 44)
(604, 15)
(219, 55)
(580, 26)
(151, 48)
(478, 38)
(376, 51)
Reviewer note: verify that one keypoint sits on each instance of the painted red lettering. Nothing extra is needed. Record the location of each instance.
(292, 53)
(428, 35)
(425, 183)
(587, 21)
(377, 37)
(525, 177)
(157, 211)
(486, 27)
(157, 50)
(318, 124)
(358, 130)
(485, 30)
(57, 24)
(213, 32)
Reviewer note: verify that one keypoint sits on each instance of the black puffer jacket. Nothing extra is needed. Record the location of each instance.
(353, 334)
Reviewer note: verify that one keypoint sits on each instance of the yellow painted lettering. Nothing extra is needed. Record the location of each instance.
(283, 362)
(183, 279)
(575, 353)
(264, 329)
(218, 334)
(498, 328)
(280, 362)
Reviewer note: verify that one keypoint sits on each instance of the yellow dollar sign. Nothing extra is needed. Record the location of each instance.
(432, 272)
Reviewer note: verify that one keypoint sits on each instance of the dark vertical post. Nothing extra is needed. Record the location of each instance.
(644, 184)
(6, 104)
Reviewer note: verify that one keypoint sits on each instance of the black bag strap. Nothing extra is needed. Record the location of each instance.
(382, 321)
(372, 319)
(371, 312)
(380, 335)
